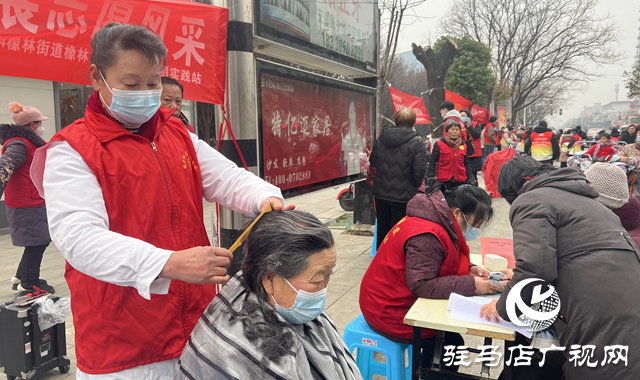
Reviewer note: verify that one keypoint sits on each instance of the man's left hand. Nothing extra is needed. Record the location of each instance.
(489, 311)
(476, 271)
(277, 205)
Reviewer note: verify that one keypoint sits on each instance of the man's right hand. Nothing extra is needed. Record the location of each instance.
(198, 265)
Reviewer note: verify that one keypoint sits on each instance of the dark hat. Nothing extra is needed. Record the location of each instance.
(514, 174)
(542, 123)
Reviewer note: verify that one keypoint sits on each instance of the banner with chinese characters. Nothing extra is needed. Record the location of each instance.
(400, 100)
(51, 39)
(347, 27)
(481, 115)
(313, 132)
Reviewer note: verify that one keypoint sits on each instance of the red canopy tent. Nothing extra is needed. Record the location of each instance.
(51, 40)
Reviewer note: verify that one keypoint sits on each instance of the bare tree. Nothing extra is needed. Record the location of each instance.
(436, 66)
(537, 43)
(392, 15)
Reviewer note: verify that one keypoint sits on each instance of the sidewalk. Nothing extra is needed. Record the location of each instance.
(342, 296)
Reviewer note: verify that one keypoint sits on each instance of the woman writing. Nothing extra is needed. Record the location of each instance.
(400, 161)
(449, 163)
(268, 321)
(426, 255)
(124, 188)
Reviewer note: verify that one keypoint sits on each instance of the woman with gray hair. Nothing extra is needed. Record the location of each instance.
(268, 321)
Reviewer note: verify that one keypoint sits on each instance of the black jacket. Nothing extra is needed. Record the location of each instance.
(435, 157)
(554, 142)
(400, 159)
(626, 137)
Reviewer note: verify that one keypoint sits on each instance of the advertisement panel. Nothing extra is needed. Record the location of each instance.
(51, 40)
(340, 30)
(314, 130)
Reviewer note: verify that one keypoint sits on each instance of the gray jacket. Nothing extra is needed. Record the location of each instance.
(561, 234)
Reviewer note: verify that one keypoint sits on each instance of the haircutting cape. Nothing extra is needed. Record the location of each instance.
(219, 349)
(491, 169)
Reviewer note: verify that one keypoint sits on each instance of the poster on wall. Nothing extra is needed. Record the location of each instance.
(313, 129)
(345, 27)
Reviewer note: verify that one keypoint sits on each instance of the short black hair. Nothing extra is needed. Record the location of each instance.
(492, 119)
(171, 81)
(471, 200)
(448, 105)
(469, 115)
(114, 37)
(542, 123)
(605, 135)
(578, 128)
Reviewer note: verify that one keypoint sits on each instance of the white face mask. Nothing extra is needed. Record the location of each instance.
(133, 107)
(40, 131)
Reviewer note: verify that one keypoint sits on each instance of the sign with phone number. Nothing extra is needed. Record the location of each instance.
(342, 46)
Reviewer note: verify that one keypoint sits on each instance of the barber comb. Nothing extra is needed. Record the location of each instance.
(246, 232)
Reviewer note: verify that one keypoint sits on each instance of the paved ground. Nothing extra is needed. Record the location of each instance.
(342, 298)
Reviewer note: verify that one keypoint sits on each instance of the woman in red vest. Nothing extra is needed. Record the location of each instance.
(449, 163)
(124, 188)
(426, 255)
(26, 211)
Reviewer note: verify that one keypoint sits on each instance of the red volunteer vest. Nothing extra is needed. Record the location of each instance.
(20, 191)
(615, 138)
(385, 297)
(451, 163)
(541, 146)
(152, 193)
(486, 134)
(477, 143)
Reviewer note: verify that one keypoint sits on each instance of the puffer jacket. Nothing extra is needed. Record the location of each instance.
(591, 261)
(631, 150)
(400, 159)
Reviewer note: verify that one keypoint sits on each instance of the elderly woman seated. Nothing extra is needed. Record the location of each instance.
(268, 321)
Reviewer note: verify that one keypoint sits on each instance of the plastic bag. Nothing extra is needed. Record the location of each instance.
(51, 313)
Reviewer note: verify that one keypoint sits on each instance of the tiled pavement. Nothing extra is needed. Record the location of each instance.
(342, 298)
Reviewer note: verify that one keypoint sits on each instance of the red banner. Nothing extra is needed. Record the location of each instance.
(400, 100)
(481, 115)
(312, 133)
(51, 39)
(459, 102)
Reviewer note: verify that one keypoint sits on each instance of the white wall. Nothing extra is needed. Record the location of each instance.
(28, 92)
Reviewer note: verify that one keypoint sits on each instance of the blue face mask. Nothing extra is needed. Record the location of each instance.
(472, 232)
(307, 307)
(133, 107)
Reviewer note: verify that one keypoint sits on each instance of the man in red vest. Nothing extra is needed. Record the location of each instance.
(475, 131)
(26, 210)
(543, 144)
(490, 137)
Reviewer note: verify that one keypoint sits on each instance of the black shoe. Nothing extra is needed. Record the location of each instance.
(41, 284)
(15, 281)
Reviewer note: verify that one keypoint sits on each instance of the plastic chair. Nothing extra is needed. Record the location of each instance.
(359, 335)
(375, 240)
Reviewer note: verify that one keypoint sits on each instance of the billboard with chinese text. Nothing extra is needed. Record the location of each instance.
(314, 130)
(51, 39)
(340, 30)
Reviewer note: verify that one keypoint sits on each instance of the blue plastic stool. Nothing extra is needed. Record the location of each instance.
(359, 335)
(375, 240)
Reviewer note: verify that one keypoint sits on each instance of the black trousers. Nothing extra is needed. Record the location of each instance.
(388, 214)
(551, 370)
(29, 268)
(563, 164)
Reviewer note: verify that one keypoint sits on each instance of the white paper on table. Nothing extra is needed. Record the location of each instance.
(467, 309)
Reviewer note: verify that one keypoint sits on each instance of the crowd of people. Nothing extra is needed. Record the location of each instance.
(124, 186)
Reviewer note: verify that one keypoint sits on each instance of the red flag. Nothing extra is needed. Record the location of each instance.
(402, 100)
(459, 102)
(51, 40)
(481, 115)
